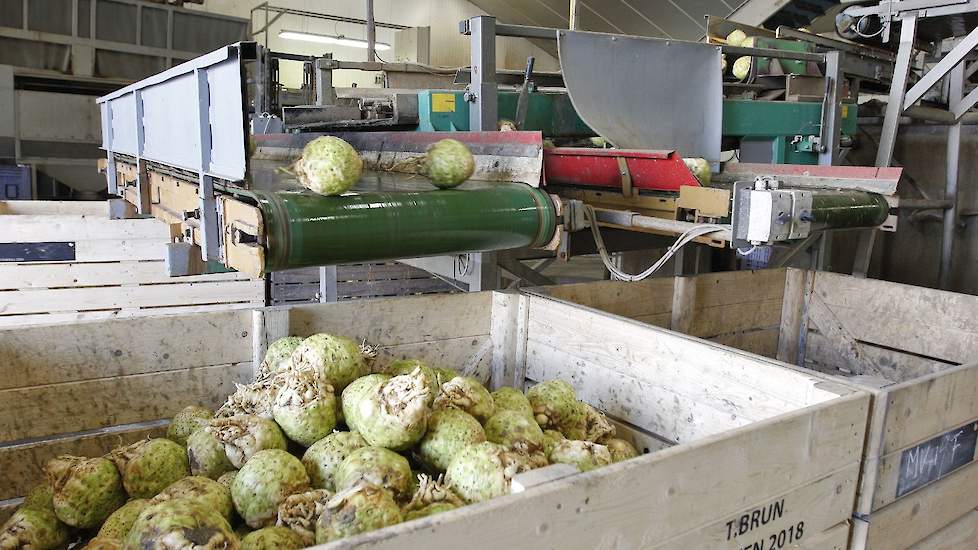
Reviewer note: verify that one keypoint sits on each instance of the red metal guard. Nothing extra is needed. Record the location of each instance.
(649, 170)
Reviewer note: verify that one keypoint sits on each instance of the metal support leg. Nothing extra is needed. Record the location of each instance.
(209, 246)
(894, 106)
(864, 252)
(831, 133)
(955, 93)
(327, 284)
(482, 89)
(486, 271)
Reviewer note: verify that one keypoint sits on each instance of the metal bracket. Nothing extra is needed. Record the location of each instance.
(626, 178)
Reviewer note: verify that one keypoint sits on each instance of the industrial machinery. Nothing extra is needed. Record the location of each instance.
(177, 148)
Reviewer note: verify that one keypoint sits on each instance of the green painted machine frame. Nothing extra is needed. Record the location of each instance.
(787, 127)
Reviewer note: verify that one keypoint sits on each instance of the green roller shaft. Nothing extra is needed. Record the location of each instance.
(847, 209)
(305, 230)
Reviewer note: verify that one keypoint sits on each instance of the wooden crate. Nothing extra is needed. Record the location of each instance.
(914, 349)
(354, 281)
(741, 450)
(116, 270)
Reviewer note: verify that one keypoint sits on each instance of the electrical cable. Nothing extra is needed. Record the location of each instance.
(687, 237)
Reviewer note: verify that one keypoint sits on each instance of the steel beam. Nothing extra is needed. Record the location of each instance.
(894, 106)
(483, 89)
(953, 58)
(955, 93)
(831, 131)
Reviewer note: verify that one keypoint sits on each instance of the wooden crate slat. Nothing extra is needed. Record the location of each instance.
(760, 341)
(15, 321)
(46, 228)
(32, 276)
(417, 318)
(661, 409)
(929, 406)
(362, 289)
(602, 340)
(650, 298)
(955, 536)
(109, 250)
(295, 292)
(303, 275)
(379, 272)
(77, 406)
(817, 507)
(943, 323)
(452, 353)
(56, 354)
(96, 298)
(821, 353)
(22, 464)
(727, 318)
(739, 287)
(54, 208)
(923, 512)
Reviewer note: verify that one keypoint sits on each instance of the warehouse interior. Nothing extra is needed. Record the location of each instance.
(534, 273)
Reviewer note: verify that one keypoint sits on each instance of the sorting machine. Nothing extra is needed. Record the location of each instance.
(179, 147)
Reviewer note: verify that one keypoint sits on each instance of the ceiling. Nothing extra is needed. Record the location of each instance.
(678, 19)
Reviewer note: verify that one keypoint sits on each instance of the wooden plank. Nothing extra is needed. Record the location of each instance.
(666, 358)
(960, 535)
(26, 276)
(683, 304)
(661, 320)
(21, 465)
(656, 497)
(847, 350)
(796, 291)
(37, 208)
(929, 406)
(942, 324)
(17, 321)
(35, 229)
(304, 275)
(96, 298)
(413, 319)
(295, 292)
(889, 474)
(821, 353)
(651, 297)
(508, 332)
(763, 341)
(674, 413)
(379, 272)
(76, 406)
(401, 287)
(454, 353)
(44, 355)
(739, 287)
(813, 510)
(918, 515)
(711, 321)
(107, 250)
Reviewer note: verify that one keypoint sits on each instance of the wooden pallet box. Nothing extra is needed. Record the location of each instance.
(740, 450)
(914, 349)
(67, 261)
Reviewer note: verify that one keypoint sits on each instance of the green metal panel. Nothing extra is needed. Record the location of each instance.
(304, 229)
(789, 66)
(550, 113)
(753, 118)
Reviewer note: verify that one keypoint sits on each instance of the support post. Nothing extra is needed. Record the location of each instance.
(371, 32)
(574, 21)
(955, 94)
(482, 88)
(898, 86)
(831, 134)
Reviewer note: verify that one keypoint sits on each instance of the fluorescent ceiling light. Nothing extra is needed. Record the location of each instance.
(339, 40)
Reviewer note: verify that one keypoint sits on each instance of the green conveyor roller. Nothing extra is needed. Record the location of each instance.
(304, 229)
(848, 209)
